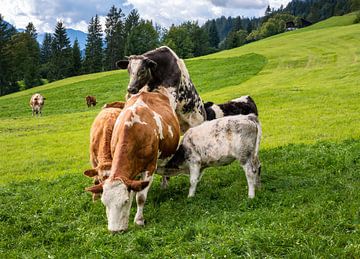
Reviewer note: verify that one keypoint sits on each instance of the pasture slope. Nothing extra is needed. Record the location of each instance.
(307, 87)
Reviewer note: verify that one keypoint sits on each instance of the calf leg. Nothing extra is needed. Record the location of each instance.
(165, 182)
(141, 199)
(250, 173)
(195, 176)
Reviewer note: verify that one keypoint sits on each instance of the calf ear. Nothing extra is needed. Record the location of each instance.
(95, 188)
(150, 63)
(91, 173)
(122, 64)
(138, 186)
(208, 104)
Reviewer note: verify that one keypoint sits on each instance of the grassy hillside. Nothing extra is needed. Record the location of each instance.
(306, 84)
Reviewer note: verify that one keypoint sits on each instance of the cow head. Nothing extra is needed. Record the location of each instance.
(140, 71)
(117, 199)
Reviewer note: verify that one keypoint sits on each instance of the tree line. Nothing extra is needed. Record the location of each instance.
(25, 64)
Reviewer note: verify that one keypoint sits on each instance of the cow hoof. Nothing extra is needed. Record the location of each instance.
(140, 222)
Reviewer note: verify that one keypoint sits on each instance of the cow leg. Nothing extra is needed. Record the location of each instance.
(250, 173)
(195, 176)
(141, 199)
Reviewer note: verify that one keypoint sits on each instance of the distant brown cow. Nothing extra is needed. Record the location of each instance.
(90, 100)
(36, 104)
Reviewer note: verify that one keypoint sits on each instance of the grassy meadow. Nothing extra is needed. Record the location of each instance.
(306, 84)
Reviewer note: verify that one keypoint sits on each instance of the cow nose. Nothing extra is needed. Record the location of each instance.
(132, 90)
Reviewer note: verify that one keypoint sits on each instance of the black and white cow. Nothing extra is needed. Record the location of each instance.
(242, 105)
(162, 67)
(219, 142)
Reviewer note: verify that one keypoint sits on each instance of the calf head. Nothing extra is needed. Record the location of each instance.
(140, 71)
(117, 200)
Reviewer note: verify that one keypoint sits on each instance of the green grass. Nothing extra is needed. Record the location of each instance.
(306, 84)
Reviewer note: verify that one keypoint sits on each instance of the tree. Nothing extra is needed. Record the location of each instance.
(142, 38)
(114, 37)
(8, 82)
(31, 58)
(30, 29)
(93, 52)
(61, 59)
(237, 24)
(76, 59)
(132, 20)
(213, 35)
(45, 52)
(268, 11)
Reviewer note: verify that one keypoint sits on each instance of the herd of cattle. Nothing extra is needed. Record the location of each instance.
(141, 136)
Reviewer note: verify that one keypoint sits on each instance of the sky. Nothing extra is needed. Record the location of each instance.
(76, 14)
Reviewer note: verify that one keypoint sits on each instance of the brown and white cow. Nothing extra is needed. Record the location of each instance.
(146, 129)
(90, 100)
(37, 102)
(100, 145)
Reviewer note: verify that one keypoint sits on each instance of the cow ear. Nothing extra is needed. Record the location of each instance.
(122, 64)
(150, 63)
(95, 188)
(91, 173)
(138, 186)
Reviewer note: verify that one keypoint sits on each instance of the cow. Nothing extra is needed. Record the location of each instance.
(146, 129)
(100, 149)
(90, 100)
(162, 67)
(37, 102)
(242, 105)
(219, 142)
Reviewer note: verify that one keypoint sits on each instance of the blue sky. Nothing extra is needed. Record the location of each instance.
(77, 13)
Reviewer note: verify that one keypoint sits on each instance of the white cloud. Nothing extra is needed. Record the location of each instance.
(76, 14)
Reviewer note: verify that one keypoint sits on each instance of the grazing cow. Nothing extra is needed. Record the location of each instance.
(243, 105)
(162, 67)
(100, 141)
(90, 100)
(37, 103)
(219, 142)
(146, 129)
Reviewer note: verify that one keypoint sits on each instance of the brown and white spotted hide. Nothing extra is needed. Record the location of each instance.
(146, 129)
(90, 100)
(119, 105)
(243, 105)
(100, 149)
(219, 142)
(162, 67)
(37, 102)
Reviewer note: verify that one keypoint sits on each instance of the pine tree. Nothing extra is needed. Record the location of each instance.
(142, 38)
(30, 29)
(31, 59)
(114, 37)
(237, 24)
(93, 52)
(213, 35)
(132, 20)
(268, 11)
(7, 81)
(45, 52)
(76, 56)
(61, 54)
